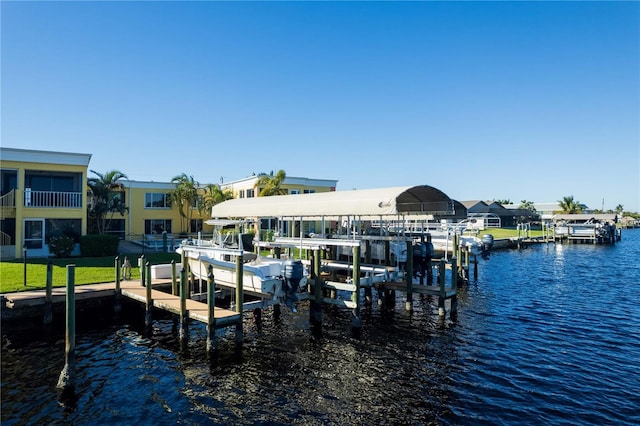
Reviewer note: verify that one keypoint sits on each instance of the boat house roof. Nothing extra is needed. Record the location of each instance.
(422, 200)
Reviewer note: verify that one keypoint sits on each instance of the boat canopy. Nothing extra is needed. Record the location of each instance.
(422, 200)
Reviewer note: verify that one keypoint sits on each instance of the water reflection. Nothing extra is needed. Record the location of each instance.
(543, 334)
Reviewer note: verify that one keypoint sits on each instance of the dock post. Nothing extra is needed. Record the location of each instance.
(409, 278)
(387, 252)
(442, 269)
(454, 287)
(315, 311)
(430, 253)
(116, 302)
(141, 262)
(475, 267)
(48, 309)
(239, 289)
(67, 379)
(174, 279)
(356, 322)
(148, 317)
(211, 306)
(183, 331)
(239, 298)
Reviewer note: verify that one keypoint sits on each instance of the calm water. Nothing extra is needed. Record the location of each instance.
(546, 335)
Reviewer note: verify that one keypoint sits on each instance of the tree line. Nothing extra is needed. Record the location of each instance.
(107, 201)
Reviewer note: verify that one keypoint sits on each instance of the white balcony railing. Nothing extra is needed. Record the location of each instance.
(52, 199)
(8, 200)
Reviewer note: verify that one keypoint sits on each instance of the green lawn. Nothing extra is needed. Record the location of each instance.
(499, 233)
(88, 270)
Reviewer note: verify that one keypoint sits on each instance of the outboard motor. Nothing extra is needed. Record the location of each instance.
(487, 242)
(293, 274)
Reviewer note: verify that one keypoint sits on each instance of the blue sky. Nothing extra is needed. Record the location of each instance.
(482, 100)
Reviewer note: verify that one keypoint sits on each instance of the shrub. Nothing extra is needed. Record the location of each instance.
(98, 245)
(61, 245)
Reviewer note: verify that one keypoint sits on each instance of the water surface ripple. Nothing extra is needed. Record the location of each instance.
(546, 335)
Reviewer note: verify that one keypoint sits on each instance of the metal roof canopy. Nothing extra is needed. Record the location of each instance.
(396, 201)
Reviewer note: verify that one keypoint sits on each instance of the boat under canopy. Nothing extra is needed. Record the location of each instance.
(422, 200)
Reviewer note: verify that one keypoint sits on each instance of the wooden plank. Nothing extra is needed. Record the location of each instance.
(131, 289)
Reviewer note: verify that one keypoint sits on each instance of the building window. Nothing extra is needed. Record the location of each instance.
(157, 200)
(195, 226)
(294, 191)
(241, 193)
(157, 226)
(251, 193)
(57, 227)
(116, 227)
(309, 191)
(34, 233)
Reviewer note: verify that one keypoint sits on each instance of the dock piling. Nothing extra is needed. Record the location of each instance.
(148, 317)
(442, 280)
(184, 314)
(409, 278)
(211, 324)
(67, 379)
(454, 287)
(117, 307)
(356, 322)
(174, 279)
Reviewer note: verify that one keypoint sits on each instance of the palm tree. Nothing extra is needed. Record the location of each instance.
(106, 198)
(619, 208)
(569, 205)
(527, 205)
(212, 195)
(185, 196)
(271, 185)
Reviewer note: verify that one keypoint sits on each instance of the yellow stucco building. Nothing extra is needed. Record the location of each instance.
(45, 193)
(42, 193)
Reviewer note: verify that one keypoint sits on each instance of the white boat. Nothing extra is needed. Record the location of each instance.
(267, 278)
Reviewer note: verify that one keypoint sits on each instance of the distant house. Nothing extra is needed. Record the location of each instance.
(494, 214)
(547, 210)
(248, 187)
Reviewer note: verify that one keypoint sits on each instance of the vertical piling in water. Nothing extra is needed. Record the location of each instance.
(409, 277)
(239, 289)
(454, 287)
(239, 298)
(315, 311)
(442, 269)
(356, 322)
(184, 315)
(475, 267)
(48, 309)
(117, 307)
(148, 317)
(174, 279)
(67, 379)
(211, 305)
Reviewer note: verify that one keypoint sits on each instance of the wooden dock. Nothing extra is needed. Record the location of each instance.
(197, 311)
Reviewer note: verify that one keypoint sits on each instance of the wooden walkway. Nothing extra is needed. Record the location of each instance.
(132, 289)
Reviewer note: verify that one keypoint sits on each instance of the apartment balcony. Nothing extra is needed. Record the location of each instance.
(52, 199)
(8, 204)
